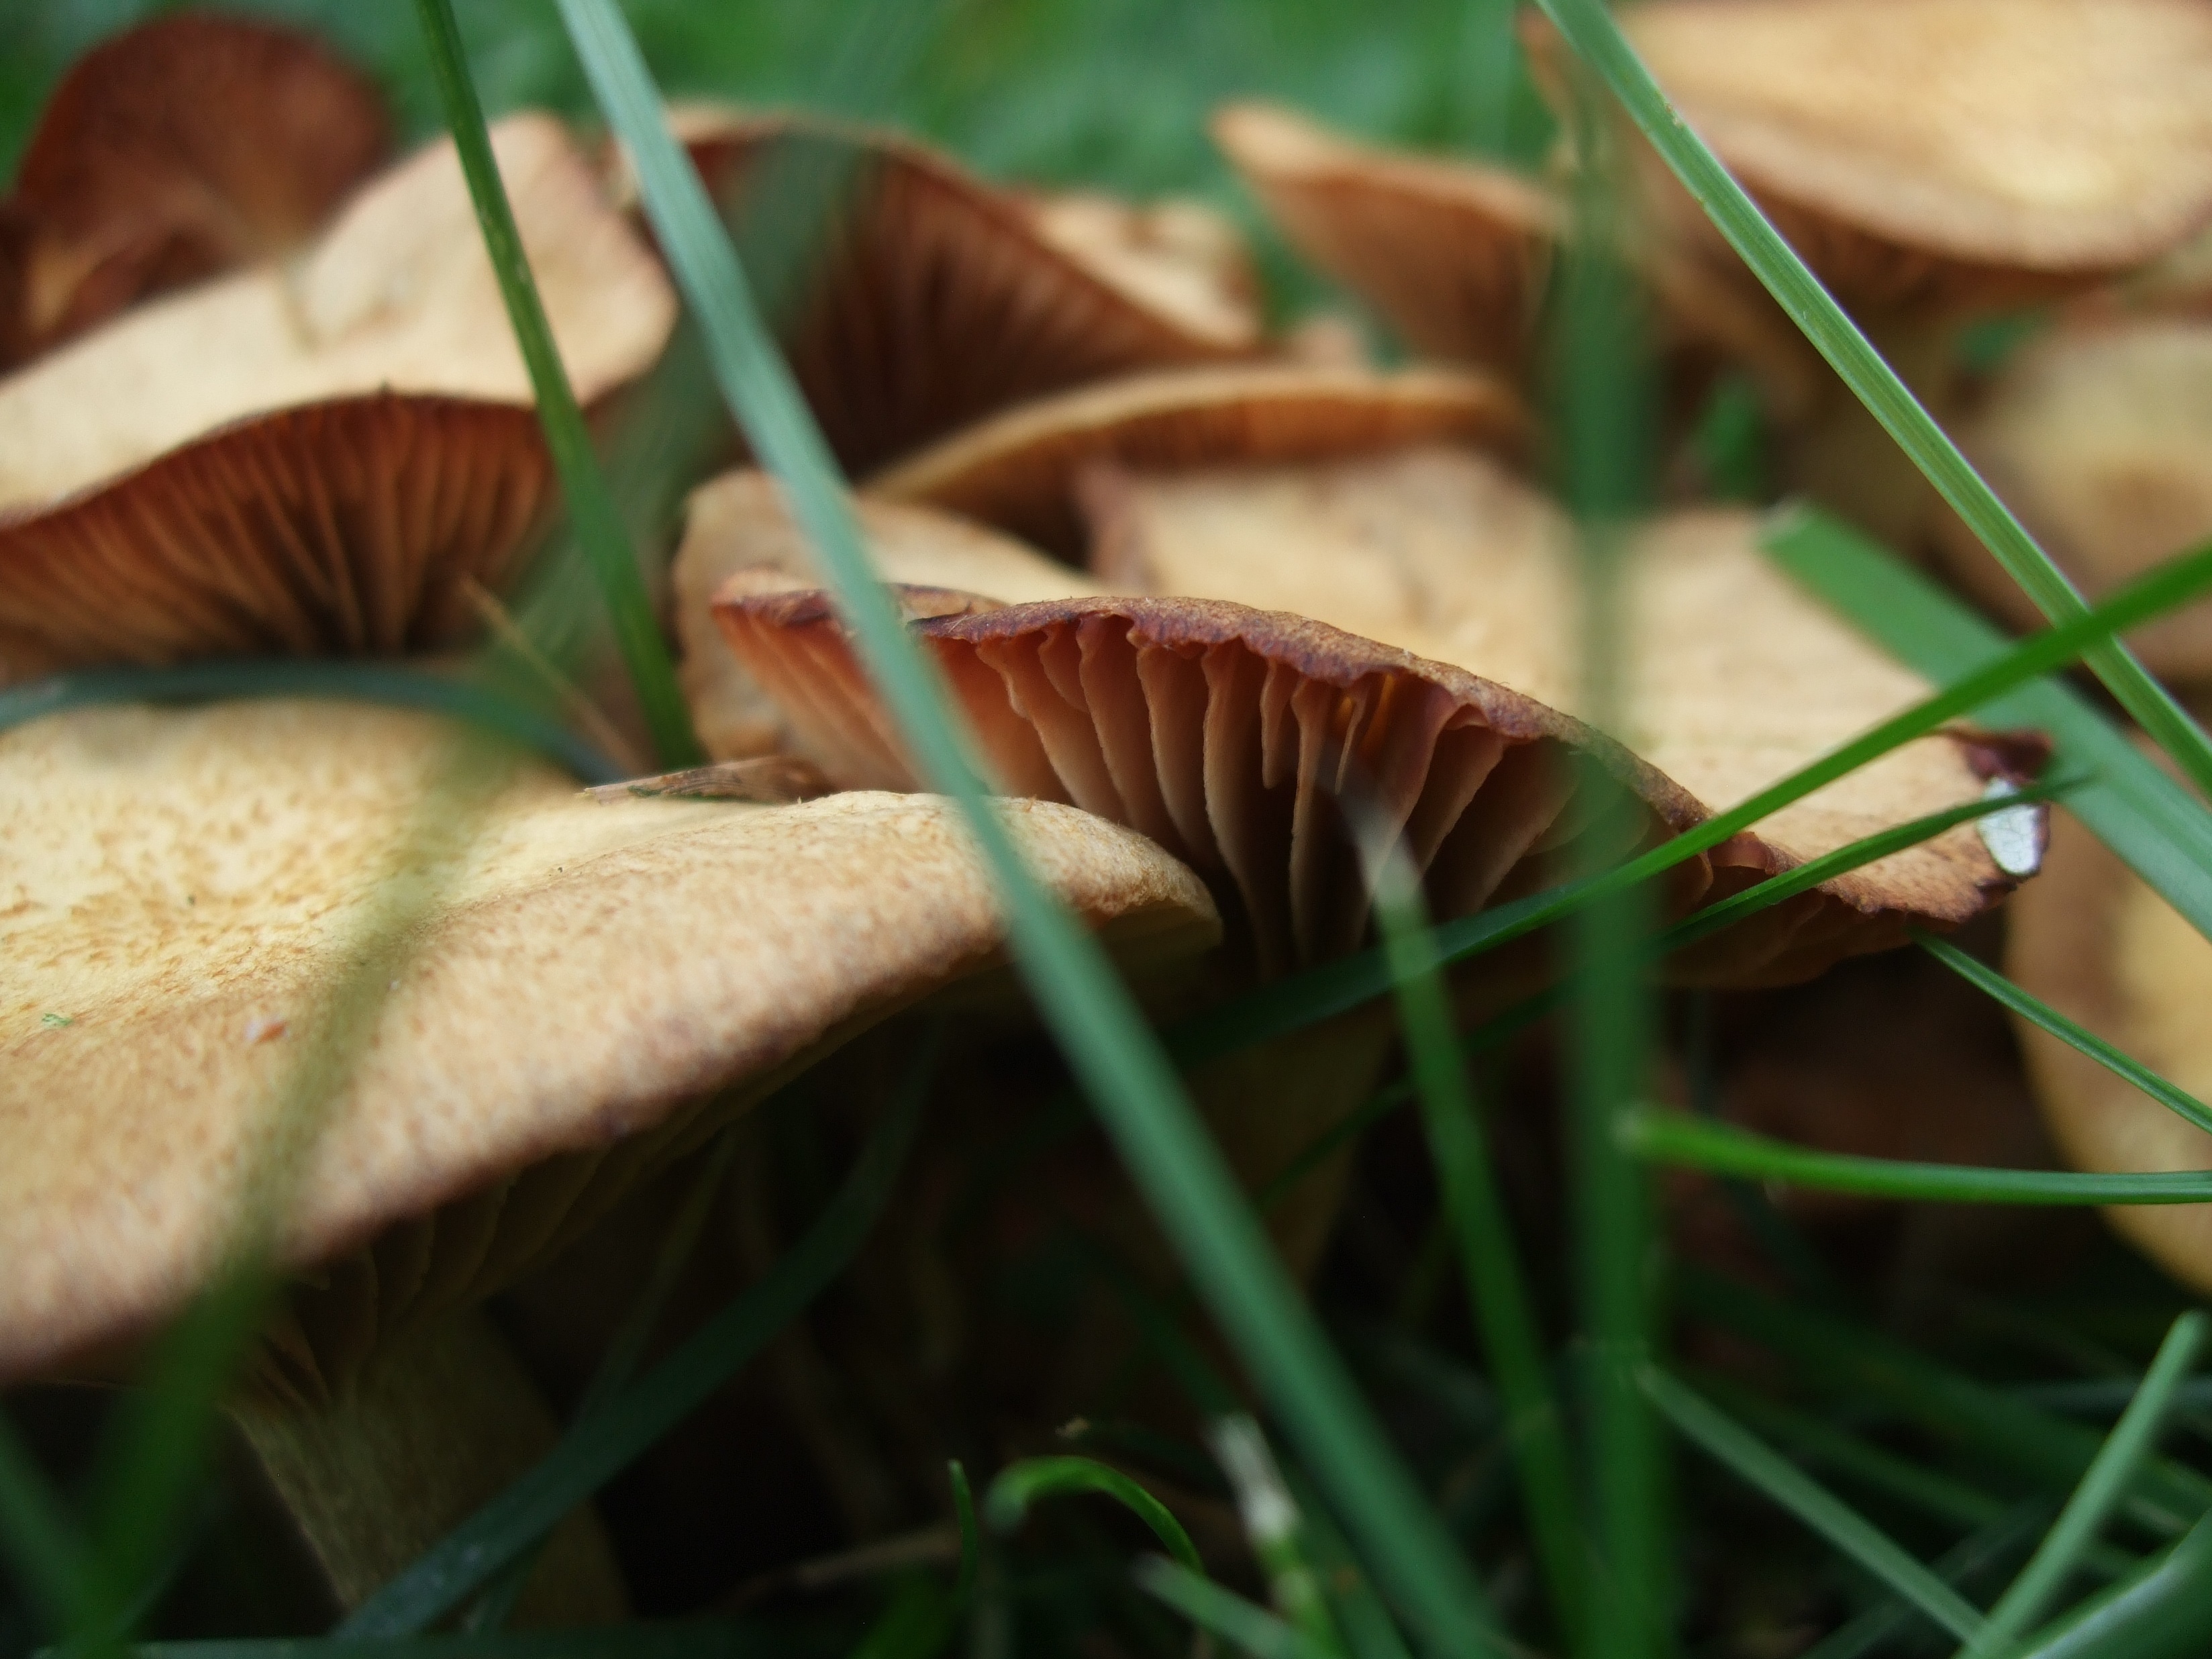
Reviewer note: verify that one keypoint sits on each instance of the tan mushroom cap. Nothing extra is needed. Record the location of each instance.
(312, 456)
(1456, 254)
(739, 522)
(1950, 153)
(1021, 473)
(941, 299)
(180, 148)
(2099, 437)
(2096, 943)
(182, 888)
(1231, 727)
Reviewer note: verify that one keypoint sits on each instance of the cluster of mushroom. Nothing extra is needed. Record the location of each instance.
(1216, 612)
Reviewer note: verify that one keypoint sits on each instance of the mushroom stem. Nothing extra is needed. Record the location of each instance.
(1844, 459)
(433, 1427)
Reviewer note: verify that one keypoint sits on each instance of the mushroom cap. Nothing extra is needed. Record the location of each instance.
(937, 299)
(1456, 254)
(1021, 471)
(2099, 945)
(2099, 437)
(739, 522)
(175, 149)
(184, 889)
(289, 457)
(1950, 153)
(1231, 726)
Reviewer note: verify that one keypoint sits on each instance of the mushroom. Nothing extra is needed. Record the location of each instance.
(583, 992)
(173, 150)
(1019, 472)
(317, 456)
(1457, 255)
(2094, 940)
(1341, 638)
(1932, 160)
(932, 299)
(2098, 434)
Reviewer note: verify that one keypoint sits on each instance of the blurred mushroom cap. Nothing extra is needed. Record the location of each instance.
(312, 456)
(185, 890)
(914, 298)
(2099, 436)
(175, 149)
(1951, 154)
(1395, 637)
(1021, 473)
(2094, 940)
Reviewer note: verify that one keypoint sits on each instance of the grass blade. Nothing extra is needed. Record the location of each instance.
(1318, 994)
(2161, 831)
(353, 682)
(593, 516)
(1250, 1628)
(1695, 1143)
(1090, 1011)
(599, 1447)
(1811, 1502)
(2042, 1014)
(2164, 1611)
(1962, 1564)
(1020, 1485)
(1275, 1530)
(1589, 27)
(1489, 1263)
(2077, 1525)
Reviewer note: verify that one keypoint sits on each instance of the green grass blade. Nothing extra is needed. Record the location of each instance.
(2077, 1526)
(1968, 1560)
(596, 1449)
(354, 682)
(1275, 1530)
(1248, 1628)
(2161, 831)
(1020, 1485)
(1108, 1044)
(2005, 1433)
(2164, 1611)
(2043, 1015)
(1365, 1621)
(1676, 1137)
(1490, 1262)
(1318, 994)
(971, 1542)
(592, 515)
(1825, 1513)
(1589, 27)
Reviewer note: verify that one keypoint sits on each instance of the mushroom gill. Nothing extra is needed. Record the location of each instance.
(315, 456)
(583, 992)
(173, 150)
(928, 298)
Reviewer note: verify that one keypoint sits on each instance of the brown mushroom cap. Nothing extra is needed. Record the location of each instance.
(313, 456)
(2096, 943)
(940, 300)
(175, 149)
(1020, 471)
(183, 888)
(1454, 253)
(1233, 731)
(2099, 437)
(1944, 154)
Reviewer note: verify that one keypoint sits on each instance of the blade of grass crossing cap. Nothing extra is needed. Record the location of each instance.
(597, 1447)
(1490, 1262)
(1686, 1142)
(1589, 27)
(2055, 1559)
(1986, 979)
(593, 516)
(1782, 1481)
(1113, 1052)
(2156, 826)
(1300, 1000)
